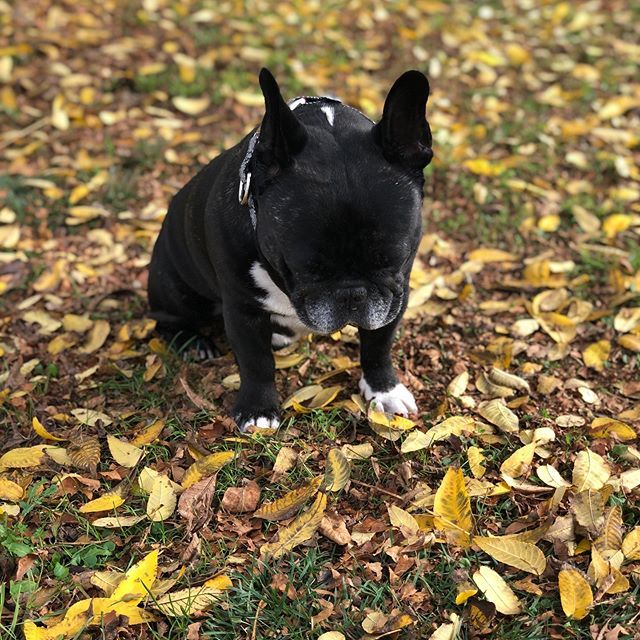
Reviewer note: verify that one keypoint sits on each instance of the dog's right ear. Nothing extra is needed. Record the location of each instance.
(282, 135)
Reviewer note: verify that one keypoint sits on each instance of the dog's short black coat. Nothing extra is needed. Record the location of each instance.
(323, 235)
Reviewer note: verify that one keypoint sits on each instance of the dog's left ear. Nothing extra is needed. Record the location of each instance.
(403, 132)
(282, 135)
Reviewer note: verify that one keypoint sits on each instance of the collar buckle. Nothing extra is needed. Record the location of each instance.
(243, 189)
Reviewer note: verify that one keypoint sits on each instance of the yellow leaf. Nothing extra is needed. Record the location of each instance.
(617, 106)
(125, 454)
(107, 502)
(79, 324)
(162, 499)
(590, 471)
(358, 451)
(286, 362)
(451, 630)
(484, 167)
(630, 341)
(575, 593)
(249, 99)
(497, 591)
(515, 553)
(78, 193)
(332, 635)
(497, 413)
(458, 385)
(588, 510)
(627, 319)
(186, 602)
(506, 379)
(91, 417)
(300, 530)
(379, 625)
(206, 466)
(517, 54)
(337, 472)
(285, 461)
(616, 223)
(485, 254)
(290, 503)
(549, 222)
(465, 591)
(83, 213)
(148, 434)
(41, 430)
(117, 522)
(10, 490)
(519, 461)
(476, 458)
(610, 540)
(50, 279)
(47, 324)
(551, 477)
(138, 580)
(302, 395)
(60, 344)
(596, 354)
(455, 425)
(97, 337)
(23, 457)
(608, 427)
(631, 545)
(587, 221)
(452, 508)
(402, 519)
(324, 397)
(191, 106)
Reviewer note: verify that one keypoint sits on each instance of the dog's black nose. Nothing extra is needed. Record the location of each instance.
(351, 297)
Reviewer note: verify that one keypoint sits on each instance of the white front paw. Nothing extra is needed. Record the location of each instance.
(398, 399)
(255, 424)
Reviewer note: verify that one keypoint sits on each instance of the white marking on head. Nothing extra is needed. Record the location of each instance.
(329, 112)
(297, 103)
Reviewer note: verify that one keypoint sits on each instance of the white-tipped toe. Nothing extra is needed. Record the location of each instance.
(261, 422)
(398, 399)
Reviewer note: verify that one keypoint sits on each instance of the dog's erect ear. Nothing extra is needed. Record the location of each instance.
(282, 135)
(403, 132)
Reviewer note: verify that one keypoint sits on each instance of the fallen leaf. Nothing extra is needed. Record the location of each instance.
(590, 471)
(300, 530)
(290, 503)
(515, 553)
(452, 508)
(337, 471)
(575, 593)
(241, 499)
(497, 591)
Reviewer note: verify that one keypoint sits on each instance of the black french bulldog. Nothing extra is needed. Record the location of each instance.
(310, 223)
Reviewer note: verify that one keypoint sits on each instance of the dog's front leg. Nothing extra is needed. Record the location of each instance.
(249, 333)
(379, 382)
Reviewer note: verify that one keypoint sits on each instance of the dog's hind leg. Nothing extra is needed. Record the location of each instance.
(184, 318)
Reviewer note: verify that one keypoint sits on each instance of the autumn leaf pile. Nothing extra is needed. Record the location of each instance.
(509, 505)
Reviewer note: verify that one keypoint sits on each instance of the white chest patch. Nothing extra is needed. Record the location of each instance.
(278, 304)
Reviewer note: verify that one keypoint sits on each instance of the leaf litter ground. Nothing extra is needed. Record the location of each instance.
(521, 342)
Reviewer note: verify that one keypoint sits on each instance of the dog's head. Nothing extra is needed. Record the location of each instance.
(339, 201)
